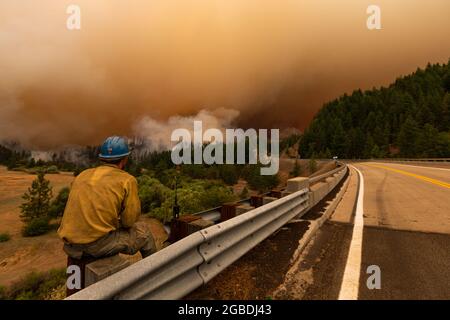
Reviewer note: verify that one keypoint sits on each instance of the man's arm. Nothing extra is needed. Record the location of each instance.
(131, 204)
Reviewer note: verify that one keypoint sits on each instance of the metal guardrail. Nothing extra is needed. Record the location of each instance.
(182, 267)
(168, 274)
(326, 174)
(213, 214)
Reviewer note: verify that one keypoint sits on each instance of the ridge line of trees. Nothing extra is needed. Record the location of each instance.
(410, 118)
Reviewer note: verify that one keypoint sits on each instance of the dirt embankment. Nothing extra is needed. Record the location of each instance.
(259, 272)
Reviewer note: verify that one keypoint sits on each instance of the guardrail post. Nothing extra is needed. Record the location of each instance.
(276, 194)
(296, 184)
(102, 268)
(256, 201)
(179, 228)
(228, 211)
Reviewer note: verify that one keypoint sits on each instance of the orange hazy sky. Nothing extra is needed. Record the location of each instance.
(274, 61)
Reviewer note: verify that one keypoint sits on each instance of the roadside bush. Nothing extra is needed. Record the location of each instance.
(36, 227)
(193, 195)
(4, 237)
(152, 193)
(260, 182)
(77, 171)
(215, 194)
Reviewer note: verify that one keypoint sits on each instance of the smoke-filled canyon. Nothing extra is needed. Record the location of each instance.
(141, 67)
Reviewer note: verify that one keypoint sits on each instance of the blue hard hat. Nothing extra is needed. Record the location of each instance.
(114, 148)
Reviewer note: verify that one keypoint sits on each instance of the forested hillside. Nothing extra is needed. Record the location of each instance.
(410, 118)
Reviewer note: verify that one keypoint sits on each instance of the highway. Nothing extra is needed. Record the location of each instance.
(392, 216)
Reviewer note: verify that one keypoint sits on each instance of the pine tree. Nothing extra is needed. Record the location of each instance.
(368, 147)
(428, 141)
(37, 199)
(407, 138)
(339, 144)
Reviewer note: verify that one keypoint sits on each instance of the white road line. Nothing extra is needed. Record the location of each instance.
(350, 281)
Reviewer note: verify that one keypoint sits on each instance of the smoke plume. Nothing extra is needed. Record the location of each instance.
(156, 135)
(275, 62)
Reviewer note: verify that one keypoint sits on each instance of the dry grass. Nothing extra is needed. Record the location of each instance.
(19, 256)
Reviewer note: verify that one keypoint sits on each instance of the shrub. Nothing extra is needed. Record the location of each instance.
(260, 182)
(36, 227)
(52, 169)
(229, 173)
(152, 193)
(215, 194)
(37, 285)
(312, 164)
(4, 237)
(58, 205)
(193, 196)
(297, 170)
(244, 194)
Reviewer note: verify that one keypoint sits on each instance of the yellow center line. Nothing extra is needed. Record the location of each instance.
(406, 173)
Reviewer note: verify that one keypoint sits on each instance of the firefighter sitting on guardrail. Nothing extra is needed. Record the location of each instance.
(102, 212)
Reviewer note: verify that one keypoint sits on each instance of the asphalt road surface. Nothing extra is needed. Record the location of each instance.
(394, 219)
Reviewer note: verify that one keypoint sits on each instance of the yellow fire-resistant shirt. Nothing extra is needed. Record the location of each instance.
(101, 200)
